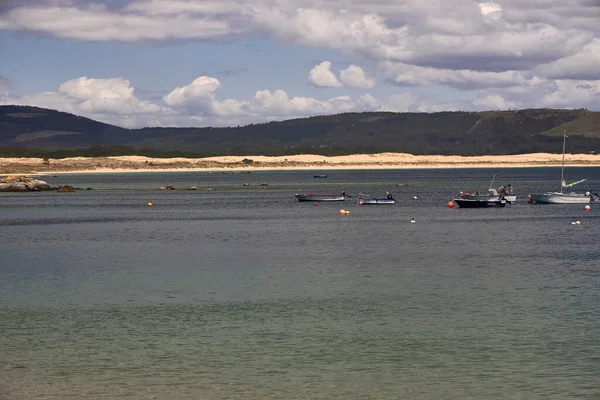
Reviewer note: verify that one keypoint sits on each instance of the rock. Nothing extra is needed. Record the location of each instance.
(65, 189)
(193, 188)
(22, 184)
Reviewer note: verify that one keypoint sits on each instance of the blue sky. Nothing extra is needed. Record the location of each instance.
(141, 63)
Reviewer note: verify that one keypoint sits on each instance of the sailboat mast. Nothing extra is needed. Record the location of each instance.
(562, 169)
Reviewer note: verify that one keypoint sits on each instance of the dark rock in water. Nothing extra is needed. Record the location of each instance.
(65, 189)
(23, 184)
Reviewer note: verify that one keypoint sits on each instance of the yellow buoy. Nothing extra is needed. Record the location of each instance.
(149, 204)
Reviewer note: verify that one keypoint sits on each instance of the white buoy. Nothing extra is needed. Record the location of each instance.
(412, 221)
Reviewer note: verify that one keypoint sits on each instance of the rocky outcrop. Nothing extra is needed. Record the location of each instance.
(23, 184)
(65, 189)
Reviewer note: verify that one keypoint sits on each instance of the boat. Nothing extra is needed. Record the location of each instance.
(322, 197)
(320, 176)
(562, 197)
(503, 192)
(365, 201)
(480, 203)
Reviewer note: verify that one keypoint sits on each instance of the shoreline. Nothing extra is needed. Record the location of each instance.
(306, 162)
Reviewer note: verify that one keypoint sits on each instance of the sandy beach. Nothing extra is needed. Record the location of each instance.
(292, 162)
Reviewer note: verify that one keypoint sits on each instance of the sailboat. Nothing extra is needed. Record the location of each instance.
(562, 197)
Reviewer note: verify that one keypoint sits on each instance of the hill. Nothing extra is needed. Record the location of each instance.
(32, 131)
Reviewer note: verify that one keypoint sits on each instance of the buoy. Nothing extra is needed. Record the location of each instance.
(530, 201)
(149, 204)
(316, 204)
(342, 211)
(412, 221)
(451, 204)
(414, 198)
(347, 212)
(573, 223)
(587, 207)
(577, 222)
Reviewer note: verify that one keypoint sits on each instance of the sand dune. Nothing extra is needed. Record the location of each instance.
(301, 161)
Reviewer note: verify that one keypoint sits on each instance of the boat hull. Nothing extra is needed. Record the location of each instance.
(560, 198)
(320, 197)
(475, 203)
(374, 202)
(509, 199)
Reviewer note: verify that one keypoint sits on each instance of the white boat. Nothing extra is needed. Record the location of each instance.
(562, 197)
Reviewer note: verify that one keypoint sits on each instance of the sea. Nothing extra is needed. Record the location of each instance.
(238, 291)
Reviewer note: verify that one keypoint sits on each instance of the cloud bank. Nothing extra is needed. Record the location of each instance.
(499, 54)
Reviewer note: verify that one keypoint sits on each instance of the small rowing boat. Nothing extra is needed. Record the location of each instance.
(371, 201)
(322, 197)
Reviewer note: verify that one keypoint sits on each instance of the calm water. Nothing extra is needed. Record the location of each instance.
(241, 292)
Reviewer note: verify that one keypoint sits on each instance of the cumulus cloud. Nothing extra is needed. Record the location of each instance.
(354, 76)
(109, 100)
(114, 101)
(322, 76)
(492, 102)
(197, 97)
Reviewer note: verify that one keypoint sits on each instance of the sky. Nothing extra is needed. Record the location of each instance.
(196, 63)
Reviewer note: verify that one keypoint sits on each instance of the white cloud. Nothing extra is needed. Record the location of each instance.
(114, 101)
(410, 75)
(109, 100)
(583, 65)
(490, 8)
(512, 38)
(322, 76)
(354, 76)
(493, 102)
(197, 97)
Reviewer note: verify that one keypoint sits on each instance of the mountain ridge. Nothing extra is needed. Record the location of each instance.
(40, 131)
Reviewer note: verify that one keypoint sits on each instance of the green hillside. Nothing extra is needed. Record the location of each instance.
(28, 131)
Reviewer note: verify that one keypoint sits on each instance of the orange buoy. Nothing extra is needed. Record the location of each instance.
(587, 207)
(451, 204)
(342, 211)
(149, 204)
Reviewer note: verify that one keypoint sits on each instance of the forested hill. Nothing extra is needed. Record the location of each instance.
(32, 131)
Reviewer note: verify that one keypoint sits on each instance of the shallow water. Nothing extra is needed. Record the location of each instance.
(243, 292)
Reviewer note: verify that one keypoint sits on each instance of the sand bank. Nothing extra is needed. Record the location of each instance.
(292, 162)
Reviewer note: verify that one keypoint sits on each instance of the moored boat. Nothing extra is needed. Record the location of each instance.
(375, 201)
(480, 203)
(562, 197)
(320, 176)
(364, 201)
(322, 197)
